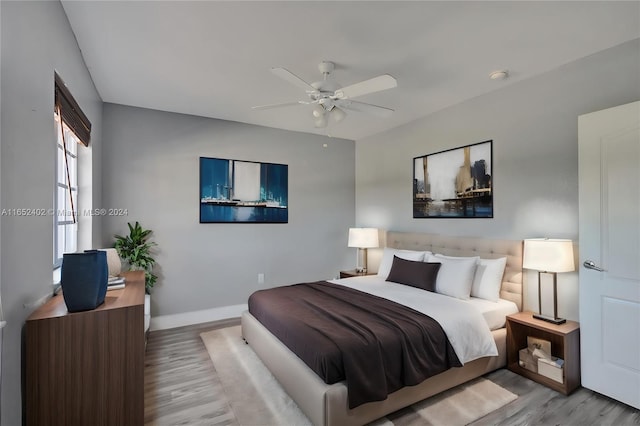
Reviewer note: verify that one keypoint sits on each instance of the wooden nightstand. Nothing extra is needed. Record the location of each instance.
(353, 273)
(565, 344)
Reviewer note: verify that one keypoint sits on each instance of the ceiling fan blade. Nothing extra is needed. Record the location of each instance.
(368, 108)
(293, 79)
(376, 84)
(286, 104)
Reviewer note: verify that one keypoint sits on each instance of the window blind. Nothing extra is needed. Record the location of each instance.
(71, 113)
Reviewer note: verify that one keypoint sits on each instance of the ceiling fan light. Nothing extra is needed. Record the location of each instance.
(321, 121)
(318, 111)
(337, 114)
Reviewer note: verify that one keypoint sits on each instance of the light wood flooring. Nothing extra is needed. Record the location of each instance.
(181, 388)
(180, 383)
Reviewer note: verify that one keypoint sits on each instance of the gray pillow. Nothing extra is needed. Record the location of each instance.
(415, 274)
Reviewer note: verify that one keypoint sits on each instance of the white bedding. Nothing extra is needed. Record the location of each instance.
(467, 329)
(494, 313)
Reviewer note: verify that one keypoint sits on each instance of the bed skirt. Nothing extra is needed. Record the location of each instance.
(327, 405)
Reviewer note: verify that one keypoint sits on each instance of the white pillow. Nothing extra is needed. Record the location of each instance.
(387, 259)
(455, 276)
(488, 279)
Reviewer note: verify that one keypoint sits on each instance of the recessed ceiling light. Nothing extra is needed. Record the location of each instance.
(499, 75)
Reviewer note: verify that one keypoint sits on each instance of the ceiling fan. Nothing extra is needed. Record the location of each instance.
(329, 100)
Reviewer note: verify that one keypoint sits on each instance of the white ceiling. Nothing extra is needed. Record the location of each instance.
(213, 58)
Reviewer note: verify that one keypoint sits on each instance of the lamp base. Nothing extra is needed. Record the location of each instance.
(549, 319)
(362, 252)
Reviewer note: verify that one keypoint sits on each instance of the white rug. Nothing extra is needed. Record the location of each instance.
(257, 399)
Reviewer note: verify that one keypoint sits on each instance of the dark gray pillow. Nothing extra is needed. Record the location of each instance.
(416, 274)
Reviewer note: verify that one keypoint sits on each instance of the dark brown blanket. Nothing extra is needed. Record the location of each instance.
(377, 345)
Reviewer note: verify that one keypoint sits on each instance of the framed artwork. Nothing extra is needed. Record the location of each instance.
(456, 183)
(234, 191)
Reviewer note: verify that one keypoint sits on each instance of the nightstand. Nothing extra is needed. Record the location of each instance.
(353, 273)
(565, 344)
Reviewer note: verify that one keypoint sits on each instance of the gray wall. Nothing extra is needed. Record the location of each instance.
(534, 128)
(36, 40)
(151, 169)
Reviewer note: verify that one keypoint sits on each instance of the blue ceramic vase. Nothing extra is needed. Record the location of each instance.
(84, 279)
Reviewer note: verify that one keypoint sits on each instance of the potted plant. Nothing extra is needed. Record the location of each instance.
(135, 249)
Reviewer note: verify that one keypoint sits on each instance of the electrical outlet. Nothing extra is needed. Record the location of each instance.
(260, 278)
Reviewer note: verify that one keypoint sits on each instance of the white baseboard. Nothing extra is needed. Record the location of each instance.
(164, 322)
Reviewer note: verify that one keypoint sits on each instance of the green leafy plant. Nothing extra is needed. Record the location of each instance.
(135, 249)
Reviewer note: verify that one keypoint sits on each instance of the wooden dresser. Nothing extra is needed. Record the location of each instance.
(87, 368)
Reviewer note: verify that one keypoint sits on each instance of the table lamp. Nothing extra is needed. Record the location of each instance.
(363, 238)
(548, 256)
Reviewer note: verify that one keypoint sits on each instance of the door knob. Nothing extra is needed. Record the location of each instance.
(590, 264)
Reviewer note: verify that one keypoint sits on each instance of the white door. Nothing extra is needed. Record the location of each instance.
(609, 178)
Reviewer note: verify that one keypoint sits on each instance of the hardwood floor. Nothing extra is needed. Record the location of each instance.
(539, 405)
(180, 384)
(181, 388)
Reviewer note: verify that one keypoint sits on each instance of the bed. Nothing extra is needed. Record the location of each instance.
(328, 405)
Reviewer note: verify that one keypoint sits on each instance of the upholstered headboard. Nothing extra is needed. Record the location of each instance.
(462, 246)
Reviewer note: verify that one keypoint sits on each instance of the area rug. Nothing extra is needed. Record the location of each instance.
(257, 399)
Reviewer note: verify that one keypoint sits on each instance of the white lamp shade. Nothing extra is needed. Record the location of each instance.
(548, 255)
(363, 237)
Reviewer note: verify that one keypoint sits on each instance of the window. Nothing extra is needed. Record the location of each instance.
(65, 235)
(72, 129)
